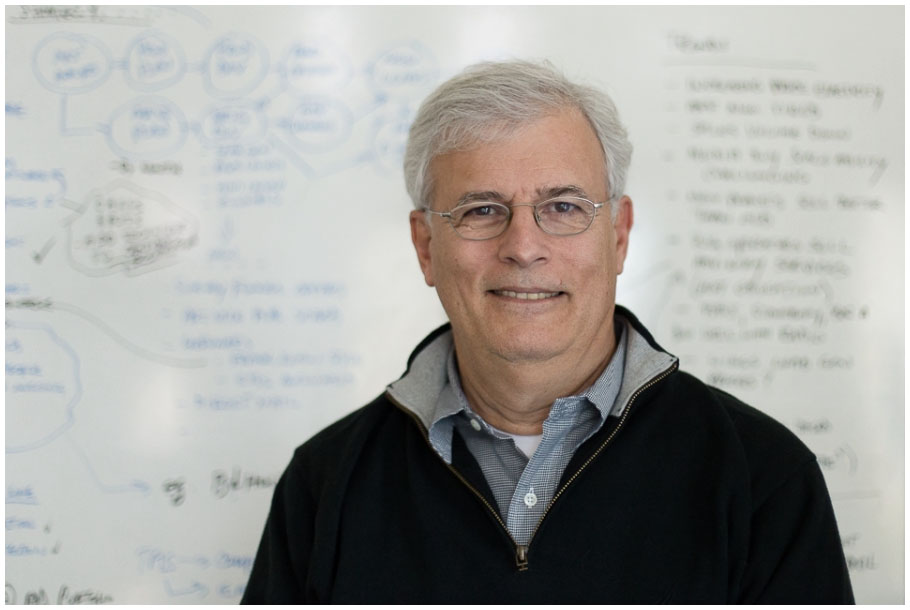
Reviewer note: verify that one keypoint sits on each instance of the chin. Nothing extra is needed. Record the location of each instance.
(526, 349)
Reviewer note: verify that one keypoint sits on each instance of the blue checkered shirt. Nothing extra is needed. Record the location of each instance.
(524, 487)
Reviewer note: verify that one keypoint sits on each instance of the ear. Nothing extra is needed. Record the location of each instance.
(420, 236)
(622, 226)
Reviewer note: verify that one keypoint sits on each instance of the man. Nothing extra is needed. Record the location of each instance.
(542, 447)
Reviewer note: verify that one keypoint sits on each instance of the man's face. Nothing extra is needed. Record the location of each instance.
(575, 276)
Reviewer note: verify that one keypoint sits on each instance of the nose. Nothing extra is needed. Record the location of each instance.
(523, 243)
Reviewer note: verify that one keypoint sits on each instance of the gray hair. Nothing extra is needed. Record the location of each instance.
(490, 100)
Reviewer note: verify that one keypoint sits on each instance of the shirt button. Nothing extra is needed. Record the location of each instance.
(475, 424)
(530, 499)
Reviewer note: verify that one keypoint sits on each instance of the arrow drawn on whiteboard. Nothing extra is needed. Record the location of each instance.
(39, 255)
(70, 205)
(197, 588)
(291, 154)
(877, 174)
(65, 130)
(197, 560)
(139, 351)
(134, 486)
(48, 304)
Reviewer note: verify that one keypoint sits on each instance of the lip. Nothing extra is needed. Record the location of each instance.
(529, 295)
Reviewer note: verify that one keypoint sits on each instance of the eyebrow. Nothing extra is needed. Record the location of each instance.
(557, 191)
(480, 196)
(542, 194)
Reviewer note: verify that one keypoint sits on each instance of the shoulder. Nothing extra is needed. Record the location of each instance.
(753, 427)
(766, 448)
(793, 549)
(684, 410)
(330, 452)
(351, 425)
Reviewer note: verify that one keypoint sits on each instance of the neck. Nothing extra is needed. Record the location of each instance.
(516, 396)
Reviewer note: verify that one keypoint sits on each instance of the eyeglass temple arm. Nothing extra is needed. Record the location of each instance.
(443, 214)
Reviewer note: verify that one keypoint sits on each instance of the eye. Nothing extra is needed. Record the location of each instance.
(481, 210)
(565, 206)
(561, 207)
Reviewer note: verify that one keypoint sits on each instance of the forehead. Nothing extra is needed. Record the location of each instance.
(547, 153)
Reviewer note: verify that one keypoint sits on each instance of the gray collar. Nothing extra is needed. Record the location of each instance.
(419, 389)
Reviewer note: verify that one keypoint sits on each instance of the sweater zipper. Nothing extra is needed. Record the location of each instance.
(521, 550)
(622, 421)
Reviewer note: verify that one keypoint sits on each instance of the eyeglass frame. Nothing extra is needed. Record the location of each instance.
(448, 215)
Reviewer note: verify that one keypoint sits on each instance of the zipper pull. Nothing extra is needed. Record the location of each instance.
(521, 557)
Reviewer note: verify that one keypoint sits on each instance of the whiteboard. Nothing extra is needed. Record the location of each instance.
(208, 255)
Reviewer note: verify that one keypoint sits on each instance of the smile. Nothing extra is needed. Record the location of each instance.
(529, 296)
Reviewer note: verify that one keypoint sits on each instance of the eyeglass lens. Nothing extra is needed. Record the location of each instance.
(561, 216)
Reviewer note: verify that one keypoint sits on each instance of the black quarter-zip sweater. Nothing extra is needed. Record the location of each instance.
(690, 497)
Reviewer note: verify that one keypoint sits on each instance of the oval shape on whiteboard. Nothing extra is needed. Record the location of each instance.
(154, 61)
(232, 123)
(319, 123)
(307, 68)
(71, 63)
(42, 386)
(404, 71)
(235, 65)
(144, 127)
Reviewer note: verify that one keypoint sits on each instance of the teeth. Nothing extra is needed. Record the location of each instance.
(530, 296)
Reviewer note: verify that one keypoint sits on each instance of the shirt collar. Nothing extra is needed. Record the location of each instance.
(417, 391)
(602, 394)
(452, 401)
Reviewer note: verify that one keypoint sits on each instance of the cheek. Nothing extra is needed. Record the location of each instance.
(454, 264)
(449, 271)
(462, 277)
(594, 271)
(593, 257)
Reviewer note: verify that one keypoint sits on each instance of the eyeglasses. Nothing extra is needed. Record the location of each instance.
(479, 220)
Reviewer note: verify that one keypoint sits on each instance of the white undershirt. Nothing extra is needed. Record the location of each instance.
(526, 443)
